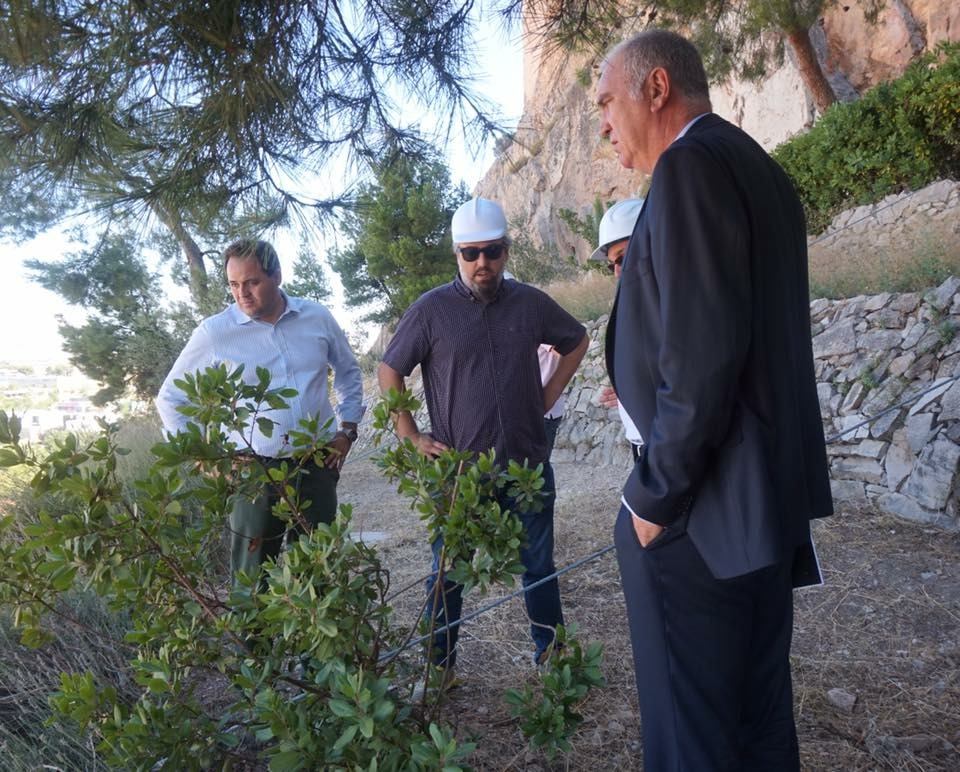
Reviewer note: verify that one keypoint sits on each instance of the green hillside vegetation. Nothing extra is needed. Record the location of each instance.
(901, 135)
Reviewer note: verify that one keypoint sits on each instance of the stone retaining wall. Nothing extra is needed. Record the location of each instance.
(913, 222)
(870, 353)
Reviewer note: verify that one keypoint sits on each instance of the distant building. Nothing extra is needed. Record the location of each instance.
(72, 415)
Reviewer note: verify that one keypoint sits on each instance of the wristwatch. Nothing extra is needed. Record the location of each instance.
(350, 434)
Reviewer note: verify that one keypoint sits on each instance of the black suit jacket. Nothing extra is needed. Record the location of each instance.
(709, 350)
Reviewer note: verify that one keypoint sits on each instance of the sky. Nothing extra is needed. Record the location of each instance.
(28, 313)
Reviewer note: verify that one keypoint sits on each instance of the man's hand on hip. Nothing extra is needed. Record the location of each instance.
(427, 444)
(645, 530)
(337, 450)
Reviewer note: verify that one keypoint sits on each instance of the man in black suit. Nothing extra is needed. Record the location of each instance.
(708, 348)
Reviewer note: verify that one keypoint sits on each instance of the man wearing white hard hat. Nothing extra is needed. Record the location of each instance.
(616, 227)
(476, 341)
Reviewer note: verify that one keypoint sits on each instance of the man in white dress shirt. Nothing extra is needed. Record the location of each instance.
(298, 342)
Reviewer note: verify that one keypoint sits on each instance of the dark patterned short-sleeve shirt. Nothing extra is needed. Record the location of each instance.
(481, 373)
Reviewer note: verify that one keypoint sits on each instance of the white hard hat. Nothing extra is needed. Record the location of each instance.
(478, 220)
(617, 224)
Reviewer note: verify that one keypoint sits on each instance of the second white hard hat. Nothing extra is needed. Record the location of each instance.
(617, 224)
(479, 219)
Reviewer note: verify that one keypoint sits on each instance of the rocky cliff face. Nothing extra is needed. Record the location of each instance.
(557, 160)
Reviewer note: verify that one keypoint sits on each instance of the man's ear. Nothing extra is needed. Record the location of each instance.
(658, 88)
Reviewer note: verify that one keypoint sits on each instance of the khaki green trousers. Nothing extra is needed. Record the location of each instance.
(256, 534)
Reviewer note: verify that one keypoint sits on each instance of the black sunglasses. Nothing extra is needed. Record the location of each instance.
(612, 264)
(492, 251)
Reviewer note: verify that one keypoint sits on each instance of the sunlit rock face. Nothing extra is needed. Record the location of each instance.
(556, 159)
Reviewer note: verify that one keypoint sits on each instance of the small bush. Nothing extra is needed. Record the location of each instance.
(587, 226)
(535, 264)
(899, 136)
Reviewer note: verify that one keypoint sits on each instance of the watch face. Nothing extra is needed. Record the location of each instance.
(351, 434)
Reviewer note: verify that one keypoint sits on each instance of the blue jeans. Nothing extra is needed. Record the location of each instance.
(543, 603)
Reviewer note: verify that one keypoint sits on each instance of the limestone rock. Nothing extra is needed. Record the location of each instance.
(906, 507)
(942, 296)
(837, 339)
(847, 490)
(842, 699)
(931, 481)
(898, 462)
(853, 468)
(950, 403)
(919, 430)
(931, 394)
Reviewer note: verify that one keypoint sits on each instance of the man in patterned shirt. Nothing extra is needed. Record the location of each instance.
(476, 342)
(298, 342)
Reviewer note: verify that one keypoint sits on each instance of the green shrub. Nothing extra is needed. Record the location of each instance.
(587, 226)
(299, 671)
(535, 264)
(900, 135)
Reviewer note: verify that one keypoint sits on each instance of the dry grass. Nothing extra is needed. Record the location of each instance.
(28, 676)
(885, 627)
(587, 296)
(917, 257)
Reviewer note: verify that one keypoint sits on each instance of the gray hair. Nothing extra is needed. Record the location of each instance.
(261, 251)
(661, 48)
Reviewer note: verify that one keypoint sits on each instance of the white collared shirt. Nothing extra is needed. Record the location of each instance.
(686, 128)
(298, 351)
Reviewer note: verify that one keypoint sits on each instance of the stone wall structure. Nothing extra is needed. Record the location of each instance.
(871, 353)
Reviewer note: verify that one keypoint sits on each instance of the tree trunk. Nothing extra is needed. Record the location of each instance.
(192, 252)
(810, 71)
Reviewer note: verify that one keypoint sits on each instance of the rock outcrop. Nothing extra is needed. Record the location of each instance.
(888, 378)
(556, 159)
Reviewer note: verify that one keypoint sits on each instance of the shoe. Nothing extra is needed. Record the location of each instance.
(440, 681)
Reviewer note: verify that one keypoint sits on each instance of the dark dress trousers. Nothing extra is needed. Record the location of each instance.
(709, 350)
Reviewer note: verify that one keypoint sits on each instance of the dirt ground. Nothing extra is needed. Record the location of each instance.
(876, 650)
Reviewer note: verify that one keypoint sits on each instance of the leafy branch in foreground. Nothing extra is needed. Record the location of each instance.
(298, 668)
(289, 671)
(457, 501)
